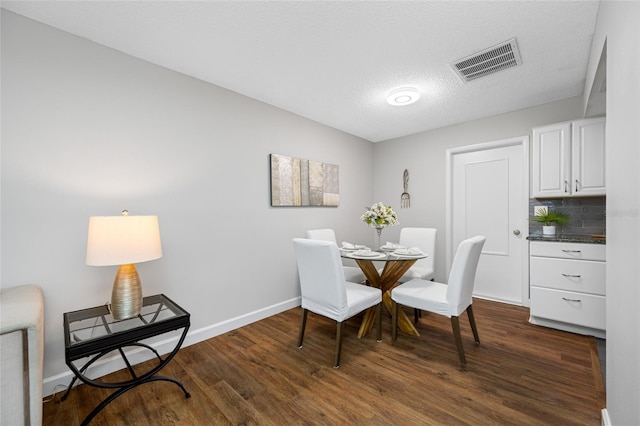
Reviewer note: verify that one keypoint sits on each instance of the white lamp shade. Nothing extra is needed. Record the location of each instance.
(121, 240)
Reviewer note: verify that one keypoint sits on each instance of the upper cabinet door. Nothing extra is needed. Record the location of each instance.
(568, 159)
(552, 161)
(588, 157)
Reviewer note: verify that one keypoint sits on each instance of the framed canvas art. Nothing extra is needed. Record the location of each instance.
(296, 182)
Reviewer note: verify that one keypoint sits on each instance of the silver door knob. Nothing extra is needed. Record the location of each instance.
(516, 232)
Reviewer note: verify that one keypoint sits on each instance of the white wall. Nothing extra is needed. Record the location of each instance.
(87, 130)
(424, 155)
(619, 24)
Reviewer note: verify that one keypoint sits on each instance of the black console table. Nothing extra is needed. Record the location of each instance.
(90, 334)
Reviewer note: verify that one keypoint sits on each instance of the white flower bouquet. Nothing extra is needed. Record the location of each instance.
(379, 216)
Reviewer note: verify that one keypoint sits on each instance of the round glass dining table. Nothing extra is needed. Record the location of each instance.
(394, 268)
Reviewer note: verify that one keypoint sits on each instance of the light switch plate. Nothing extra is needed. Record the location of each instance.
(540, 210)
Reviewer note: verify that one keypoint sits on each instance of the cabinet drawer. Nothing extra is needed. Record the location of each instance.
(584, 276)
(576, 251)
(587, 310)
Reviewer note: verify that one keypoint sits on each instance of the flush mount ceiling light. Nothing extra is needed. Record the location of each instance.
(403, 96)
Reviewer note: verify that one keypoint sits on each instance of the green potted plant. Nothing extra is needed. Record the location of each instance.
(550, 219)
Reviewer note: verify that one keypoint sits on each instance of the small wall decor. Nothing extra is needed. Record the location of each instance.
(297, 183)
(405, 198)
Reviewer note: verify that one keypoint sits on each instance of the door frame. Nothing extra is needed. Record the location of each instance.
(523, 142)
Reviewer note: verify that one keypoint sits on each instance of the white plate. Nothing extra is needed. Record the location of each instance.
(367, 256)
(408, 254)
(354, 249)
(383, 248)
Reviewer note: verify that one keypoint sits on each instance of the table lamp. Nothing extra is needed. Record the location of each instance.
(123, 240)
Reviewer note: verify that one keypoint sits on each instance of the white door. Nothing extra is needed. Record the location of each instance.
(488, 195)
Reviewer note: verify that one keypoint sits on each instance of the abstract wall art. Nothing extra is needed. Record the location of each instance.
(296, 182)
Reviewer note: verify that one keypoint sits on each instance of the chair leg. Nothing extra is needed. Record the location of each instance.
(338, 343)
(379, 322)
(455, 323)
(394, 321)
(303, 323)
(472, 321)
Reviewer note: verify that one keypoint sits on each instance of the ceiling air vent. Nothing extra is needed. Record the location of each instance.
(494, 59)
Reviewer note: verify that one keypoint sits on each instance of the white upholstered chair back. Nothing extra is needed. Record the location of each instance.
(462, 274)
(351, 273)
(322, 234)
(425, 239)
(322, 283)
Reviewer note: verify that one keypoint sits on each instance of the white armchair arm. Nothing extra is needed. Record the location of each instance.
(21, 354)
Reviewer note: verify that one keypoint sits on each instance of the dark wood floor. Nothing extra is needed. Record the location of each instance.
(520, 374)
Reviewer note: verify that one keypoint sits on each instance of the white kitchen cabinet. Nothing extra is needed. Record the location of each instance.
(587, 157)
(569, 159)
(568, 286)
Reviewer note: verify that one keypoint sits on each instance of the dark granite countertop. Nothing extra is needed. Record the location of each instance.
(588, 239)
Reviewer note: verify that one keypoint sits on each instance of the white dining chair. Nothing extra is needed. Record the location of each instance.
(425, 240)
(450, 299)
(424, 269)
(325, 292)
(351, 273)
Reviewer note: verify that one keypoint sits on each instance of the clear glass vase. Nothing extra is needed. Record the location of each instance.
(379, 231)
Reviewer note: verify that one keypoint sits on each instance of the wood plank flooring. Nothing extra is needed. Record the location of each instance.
(520, 374)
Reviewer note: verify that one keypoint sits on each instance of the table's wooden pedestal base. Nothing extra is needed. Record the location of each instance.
(404, 323)
(391, 273)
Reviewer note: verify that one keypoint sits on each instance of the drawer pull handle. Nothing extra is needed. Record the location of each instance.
(571, 276)
(571, 300)
(572, 251)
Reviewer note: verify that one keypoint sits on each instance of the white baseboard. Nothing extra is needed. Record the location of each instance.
(113, 363)
(606, 421)
(587, 331)
(498, 299)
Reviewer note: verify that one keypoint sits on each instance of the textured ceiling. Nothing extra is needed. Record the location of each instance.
(335, 62)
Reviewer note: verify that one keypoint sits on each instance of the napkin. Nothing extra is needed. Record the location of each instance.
(364, 252)
(349, 246)
(392, 246)
(411, 251)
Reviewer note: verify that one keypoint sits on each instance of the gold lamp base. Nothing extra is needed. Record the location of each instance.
(126, 296)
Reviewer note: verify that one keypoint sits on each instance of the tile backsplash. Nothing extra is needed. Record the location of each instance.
(587, 215)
